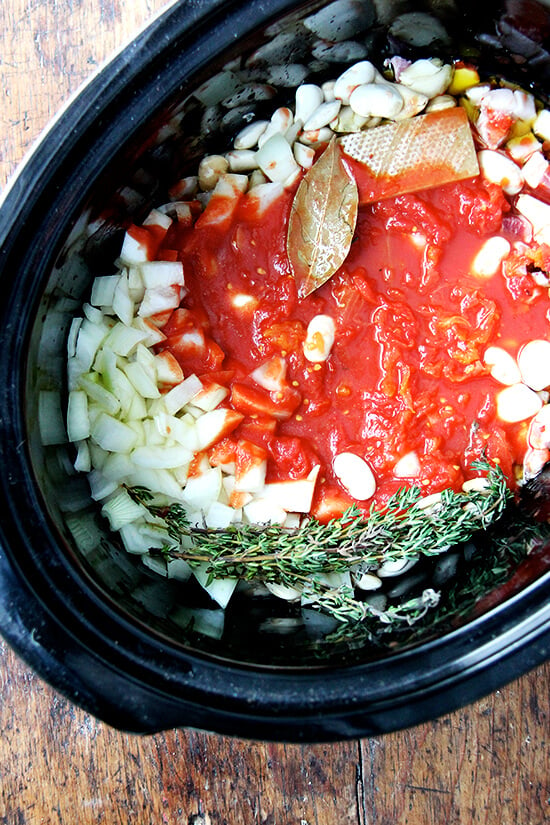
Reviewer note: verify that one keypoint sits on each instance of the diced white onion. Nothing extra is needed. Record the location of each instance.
(220, 590)
(121, 509)
(113, 435)
(203, 490)
(180, 395)
(78, 420)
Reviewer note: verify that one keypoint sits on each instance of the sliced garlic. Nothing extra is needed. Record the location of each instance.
(396, 567)
(541, 126)
(357, 75)
(242, 160)
(250, 135)
(368, 581)
(319, 338)
(428, 77)
(322, 115)
(276, 159)
(408, 466)
(376, 100)
(475, 485)
(308, 98)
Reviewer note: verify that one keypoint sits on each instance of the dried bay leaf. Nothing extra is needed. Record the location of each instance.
(322, 221)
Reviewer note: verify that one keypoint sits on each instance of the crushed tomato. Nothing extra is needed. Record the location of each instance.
(405, 374)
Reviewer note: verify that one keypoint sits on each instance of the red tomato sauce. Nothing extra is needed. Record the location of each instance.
(405, 373)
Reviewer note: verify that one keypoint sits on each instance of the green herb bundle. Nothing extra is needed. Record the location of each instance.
(407, 528)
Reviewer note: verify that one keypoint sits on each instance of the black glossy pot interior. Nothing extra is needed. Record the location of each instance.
(93, 608)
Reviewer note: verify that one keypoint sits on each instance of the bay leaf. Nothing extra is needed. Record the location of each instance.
(322, 221)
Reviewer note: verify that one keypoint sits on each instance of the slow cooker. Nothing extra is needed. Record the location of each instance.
(82, 612)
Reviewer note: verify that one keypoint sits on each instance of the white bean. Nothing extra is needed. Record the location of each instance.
(252, 93)
(534, 364)
(319, 338)
(517, 403)
(376, 100)
(308, 98)
(287, 76)
(355, 475)
(340, 52)
(250, 135)
(502, 170)
(322, 116)
(293, 132)
(489, 258)
(502, 366)
(340, 19)
(357, 75)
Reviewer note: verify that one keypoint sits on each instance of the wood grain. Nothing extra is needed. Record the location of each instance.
(58, 766)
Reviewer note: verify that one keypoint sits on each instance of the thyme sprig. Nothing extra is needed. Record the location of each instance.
(342, 605)
(405, 528)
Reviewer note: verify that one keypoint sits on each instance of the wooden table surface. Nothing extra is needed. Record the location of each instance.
(488, 763)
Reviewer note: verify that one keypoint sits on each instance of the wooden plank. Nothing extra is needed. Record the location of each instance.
(488, 763)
